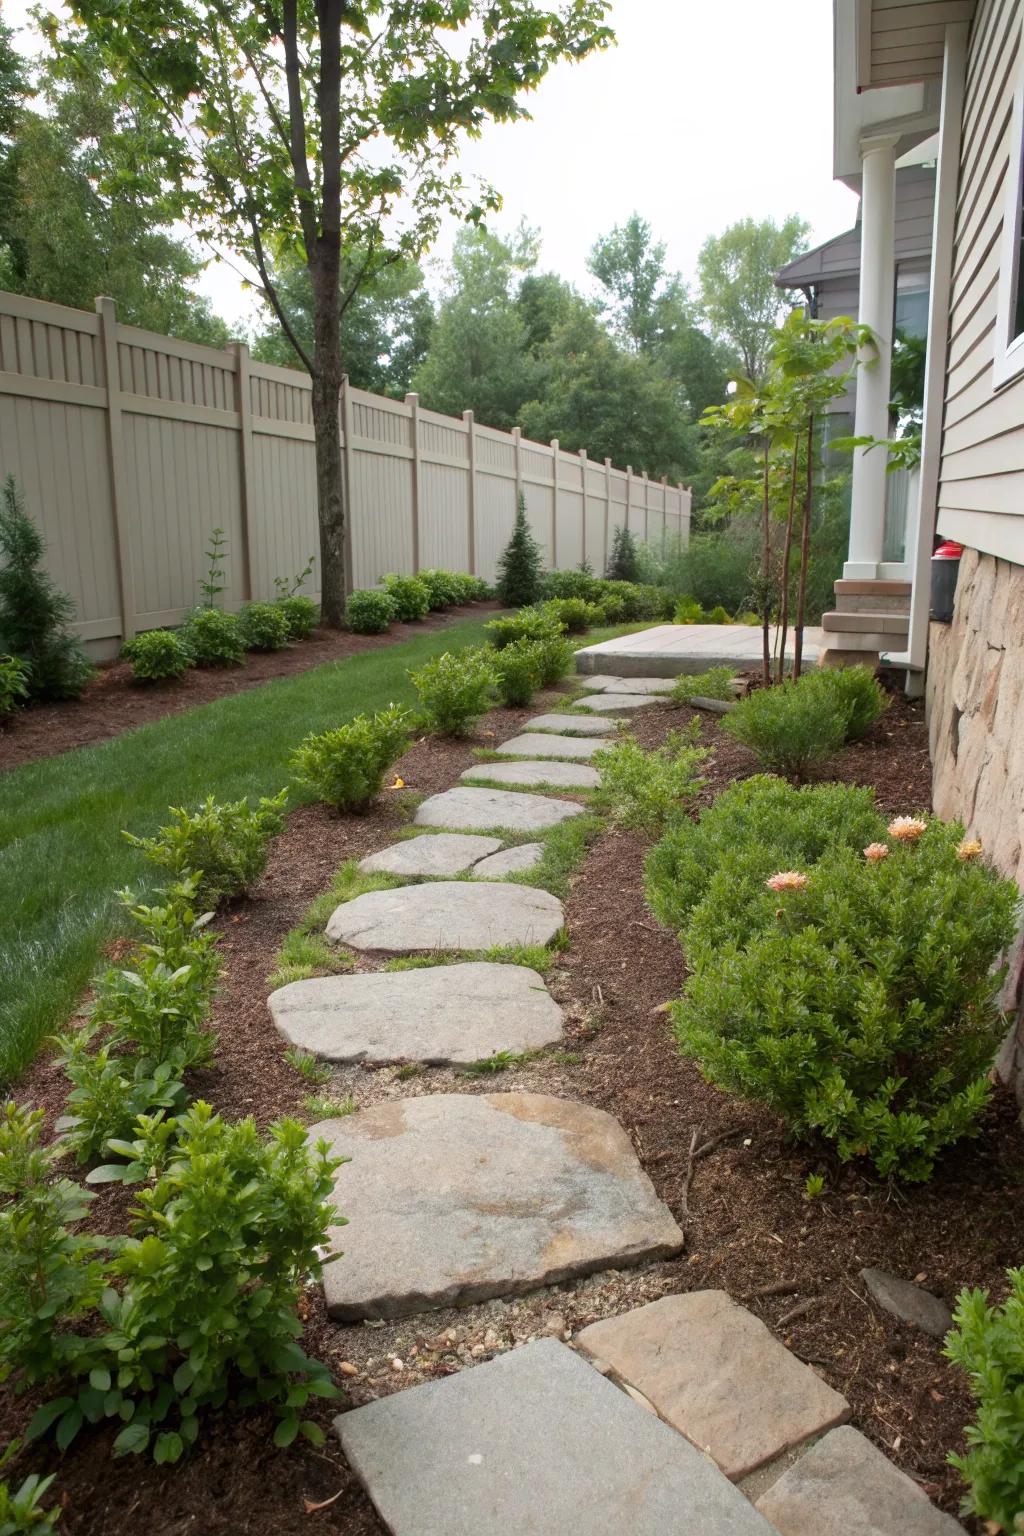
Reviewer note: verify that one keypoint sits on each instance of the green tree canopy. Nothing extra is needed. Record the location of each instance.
(737, 285)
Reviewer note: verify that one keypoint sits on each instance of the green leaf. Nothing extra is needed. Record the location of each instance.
(132, 1440)
(45, 1416)
(286, 1431)
(168, 1448)
(100, 1379)
(312, 1432)
(68, 1427)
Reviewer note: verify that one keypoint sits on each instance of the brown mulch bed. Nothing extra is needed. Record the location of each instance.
(750, 1230)
(113, 702)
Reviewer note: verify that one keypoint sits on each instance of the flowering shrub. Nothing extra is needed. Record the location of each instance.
(454, 691)
(863, 1007)
(792, 728)
(369, 612)
(646, 790)
(988, 1343)
(157, 654)
(265, 626)
(346, 767)
(410, 597)
(224, 845)
(214, 638)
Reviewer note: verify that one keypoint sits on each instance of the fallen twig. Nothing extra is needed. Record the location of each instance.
(799, 1310)
(311, 1508)
(777, 1288)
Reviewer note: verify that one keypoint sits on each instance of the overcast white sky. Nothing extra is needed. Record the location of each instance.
(702, 114)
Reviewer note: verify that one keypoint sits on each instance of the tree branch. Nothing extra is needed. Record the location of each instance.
(297, 126)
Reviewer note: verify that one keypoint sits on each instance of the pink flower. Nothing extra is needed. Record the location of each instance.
(968, 850)
(876, 852)
(787, 880)
(907, 829)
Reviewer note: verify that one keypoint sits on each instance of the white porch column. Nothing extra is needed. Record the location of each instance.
(877, 297)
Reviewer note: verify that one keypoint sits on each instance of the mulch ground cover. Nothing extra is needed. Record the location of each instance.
(749, 1228)
(113, 702)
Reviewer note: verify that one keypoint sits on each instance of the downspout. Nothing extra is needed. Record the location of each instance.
(944, 228)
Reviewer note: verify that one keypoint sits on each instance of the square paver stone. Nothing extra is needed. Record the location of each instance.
(535, 1443)
(844, 1486)
(572, 725)
(537, 744)
(549, 774)
(471, 808)
(715, 1373)
(447, 914)
(609, 703)
(435, 853)
(456, 1197)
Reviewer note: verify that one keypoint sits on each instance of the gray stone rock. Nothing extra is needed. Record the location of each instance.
(470, 808)
(537, 1443)
(715, 1373)
(536, 744)
(550, 774)
(630, 684)
(511, 861)
(447, 914)
(571, 725)
(610, 703)
(908, 1302)
(461, 1197)
(441, 853)
(451, 1014)
(843, 1486)
(602, 680)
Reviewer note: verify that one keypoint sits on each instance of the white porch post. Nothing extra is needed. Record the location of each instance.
(877, 297)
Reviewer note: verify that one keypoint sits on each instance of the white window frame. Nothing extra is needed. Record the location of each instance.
(1008, 362)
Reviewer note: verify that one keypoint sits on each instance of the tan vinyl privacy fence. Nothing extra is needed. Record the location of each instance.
(131, 447)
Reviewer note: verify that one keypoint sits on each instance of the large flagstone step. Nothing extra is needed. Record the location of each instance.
(447, 914)
(538, 744)
(549, 774)
(471, 809)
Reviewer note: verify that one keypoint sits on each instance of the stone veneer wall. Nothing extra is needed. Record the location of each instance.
(975, 698)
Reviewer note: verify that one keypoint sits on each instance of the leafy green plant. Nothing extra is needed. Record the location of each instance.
(454, 690)
(34, 613)
(369, 612)
(572, 613)
(410, 597)
(612, 603)
(21, 1509)
(469, 589)
(13, 684)
(527, 624)
(214, 638)
(814, 1186)
(988, 1343)
(622, 562)
(579, 584)
(264, 626)
(715, 683)
(645, 791)
(213, 583)
(718, 615)
(318, 1107)
(310, 1068)
(224, 845)
(519, 580)
(443, 588)
(345, 767)
(790, 727)
(688, 611)
(287, 586)
(863, 1009)
(301, 614)
(157, 654)
(555, 659)
(517, 669)
(854, 691)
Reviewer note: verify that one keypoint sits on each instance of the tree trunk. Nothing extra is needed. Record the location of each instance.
(327, 375)
(766, 564)
(786, 552)
(805, 546)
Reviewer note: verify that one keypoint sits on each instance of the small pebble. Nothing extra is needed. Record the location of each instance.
(348, 1369)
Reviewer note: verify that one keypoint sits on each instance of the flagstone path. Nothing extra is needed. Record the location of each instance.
(550, 774)
(447, 914)
(616, 703)
(537, 744)
(571, 725)
(471, 809)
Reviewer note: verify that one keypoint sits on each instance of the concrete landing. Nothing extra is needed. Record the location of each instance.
(669, 650)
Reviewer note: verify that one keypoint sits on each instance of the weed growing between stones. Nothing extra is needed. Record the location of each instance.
(309, 1068)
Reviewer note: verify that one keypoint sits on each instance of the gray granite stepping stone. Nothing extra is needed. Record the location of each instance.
(908, 1302)
(511, 861)
(630, 684)
(442, 1015)
(546, 775)
(576, 725)
(447, 914)
(844, 1486)
(441, 853)
(469, 808)
(717, 1375)
(460, 1197)
(534, 1443)
(608, 703)
(536, 744)
(602, 680)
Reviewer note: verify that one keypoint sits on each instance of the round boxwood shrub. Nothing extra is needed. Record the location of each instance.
(158, 654)
(442, 588)
(214, 638)
(454, 690)
(369, 612)
(264, 627)
(301, 614)
(346, 767)
(410, 596)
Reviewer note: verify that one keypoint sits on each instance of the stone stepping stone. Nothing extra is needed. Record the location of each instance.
(600, 681)
(511, 861)
(446, 1015)
(717, 1375)
(573, 725)
(441, 853)
(459, 1197)
(536, 1442)
(608, 703)
(629, 684)
(535, 744)
(844, 1486)
(446, 914)
(469, 808)
(546, 775)
(908, 1302)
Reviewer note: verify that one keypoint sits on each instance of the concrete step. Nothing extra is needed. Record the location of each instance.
(892, 625)
(873, 596)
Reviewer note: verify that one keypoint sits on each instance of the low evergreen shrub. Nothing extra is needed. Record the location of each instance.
(715, 683)
(578, 583)
(369, 612)
(301, 615)
(224, 845)
(157, 654)
(623, 564)
(442, 588)
(555, 659)
(791, 728)
(646, 791)
(988, 1343)
(517, 668)
(345, 767)
(855, 690)
(718, 615)
(13, 684)
(527, 624)
(264, 626)
(454, 691)
(571, 613)
(520, 580)
(34, 613)
(214, 638)
(409, 596)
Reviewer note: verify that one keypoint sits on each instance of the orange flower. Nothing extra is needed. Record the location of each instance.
(968, 850)
(876, 852)
(787, 880)
(907, 829)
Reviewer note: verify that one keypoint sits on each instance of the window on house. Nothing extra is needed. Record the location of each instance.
(1009, 345)
(911, 317)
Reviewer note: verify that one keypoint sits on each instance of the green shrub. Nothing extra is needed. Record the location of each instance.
(21, 1509)
(719, 615)
(747, 616)
(527, 624)
(578, 583)
(443, 588)
(224, 845)
(410, 597)
(688, 611)
(571, 613)
(853, 690)
(645, 791)
(301, 614)
(988, 1343)
(622, 562)
(555, 658)
(214, 638)
(157, 654)
(471, 589)
(520, 578)
(369, 612)
(790, 727)
(595, 615)
(517, 669)
(454, 691)
(34, 613)
(13, 684)
(715, 683)
(612, 602)
(264, 627)
(865, 1010)
(346, 767)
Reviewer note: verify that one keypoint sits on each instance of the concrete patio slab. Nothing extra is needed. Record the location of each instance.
(670, 649)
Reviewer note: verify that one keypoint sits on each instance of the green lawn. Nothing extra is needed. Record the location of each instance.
(62, 856)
